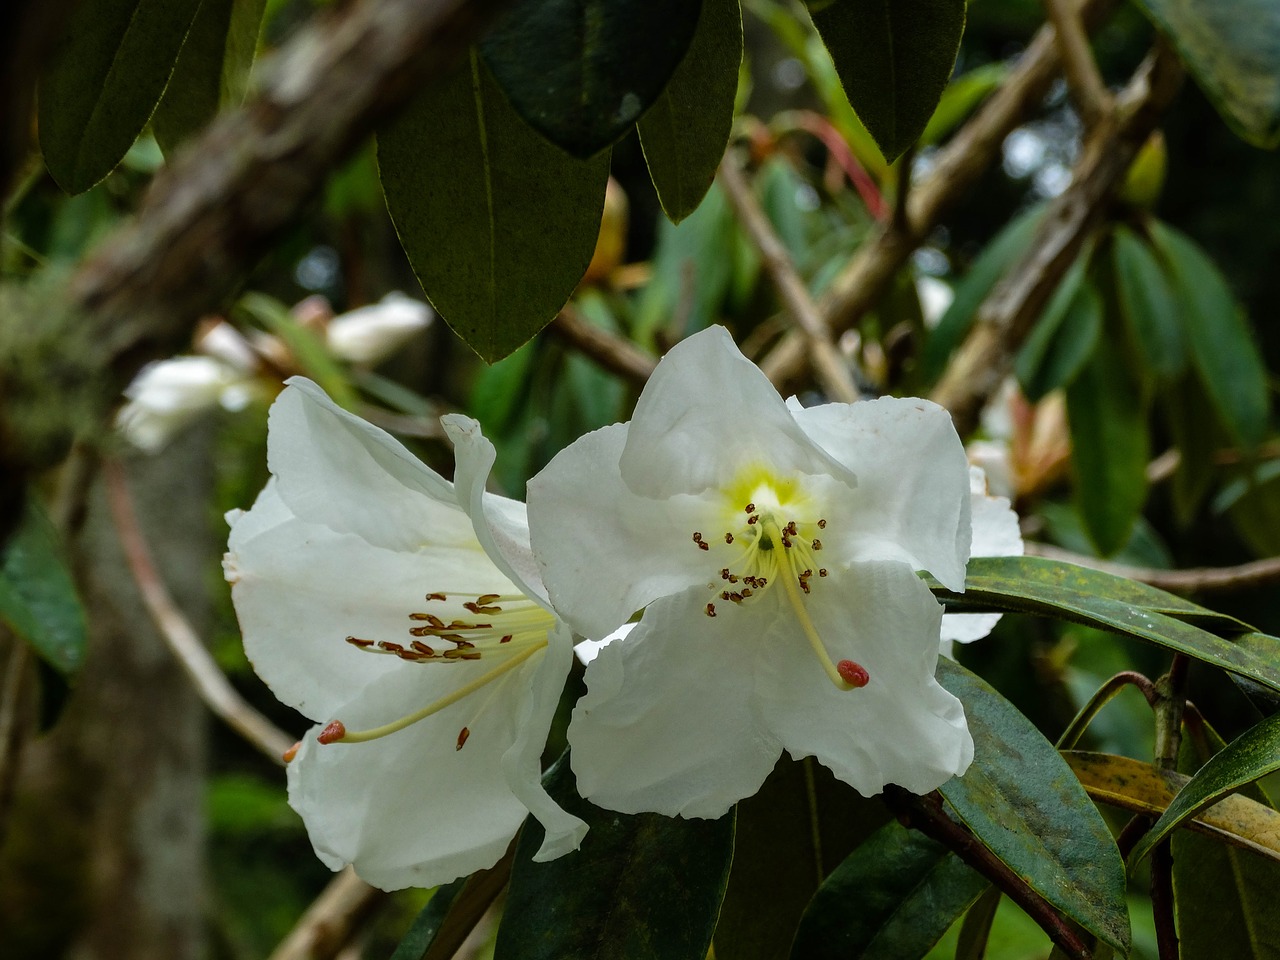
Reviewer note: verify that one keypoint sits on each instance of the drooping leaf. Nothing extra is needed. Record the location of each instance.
(893, 897)
(498, 224)
(1064, 338)
(1145, 297)
(640, 886)
(1197, 434)
(975, 932)
(1225, 901)
(1217, 332)
(1022, 800)
(103, 82)
(422, 932)
(1106, 409)
(1232, 48)
(1251, 501)
(685, 132)
(306, 348)
(212, 70)
(1252, 755)
(38, 598)
(894, 58)
(961, 97)
(581, 72)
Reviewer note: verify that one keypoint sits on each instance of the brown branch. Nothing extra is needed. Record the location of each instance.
(956, 168)
(177, 632)
(612, 353)
(828, 366)
(1006, 317)
(332, 920)
(1256, 573)
(1089, 93)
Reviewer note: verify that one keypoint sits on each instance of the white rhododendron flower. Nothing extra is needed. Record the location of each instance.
(369, 335)
(167, 395)
(425, 759)
(774, 551)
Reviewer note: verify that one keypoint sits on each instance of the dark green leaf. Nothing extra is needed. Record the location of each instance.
(1253, 504)
(425, 926)
(961, 98)
(1022, 800)
(790, 835)
(1145, 296)
(212, 70)
(1109, 446)
(686, 130)
(37, 595)
(1225, 899)
(971, 943)
(498, 224)
(103, 82)
(1064, 338)
(581, 72)
(894, 58)
(893, 897)
(640, 886)
(1252, 755)
(1197, 434)
(1232, 48)
(1217, 332)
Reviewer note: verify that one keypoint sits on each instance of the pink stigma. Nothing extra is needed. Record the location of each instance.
(854, 674)
(332, 733)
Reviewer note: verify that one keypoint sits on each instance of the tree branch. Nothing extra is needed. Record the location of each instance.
(332, 919)
(1084, 81)
(612, 353)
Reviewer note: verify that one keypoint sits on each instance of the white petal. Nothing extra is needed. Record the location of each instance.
(707, 413)
(587, 650)
(410, 809)
(995, 534)
(668, 723)
(371, 334)
(334, 468)
(902, 727)
(912, 498)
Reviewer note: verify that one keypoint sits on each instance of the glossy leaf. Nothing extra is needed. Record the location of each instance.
(212, 70)
(1142, 788)
(1146, 300)
(422, 932)
(1064, 338)
(1225, 901)
(893, 897)
(685, 132)
(38, 598)
(103, 82)
(581, 72)
(1232, 48)
(975, 932)
(640, 886)
(1218, 335)
(498, 224)
(1021, 799)
(1106, 410)
(1252, 755)
(894, 58)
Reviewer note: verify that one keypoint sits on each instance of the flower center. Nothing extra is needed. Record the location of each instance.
(505, 629)
(777, 541)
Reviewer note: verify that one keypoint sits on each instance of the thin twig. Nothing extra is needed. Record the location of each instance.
(332, 919)
(183, 641)
(828, 366)
(1084, 81)
(1190, 580)
(13, 731)
(613, 353)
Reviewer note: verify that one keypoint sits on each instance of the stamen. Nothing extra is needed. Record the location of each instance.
(728, 538)
(817, 544)
(854, 674)
(436, 596)
(711, 609)
(822, 524)
(334, 732)
(292, 752)
(465, 732)
(751, 508)
(702, 544)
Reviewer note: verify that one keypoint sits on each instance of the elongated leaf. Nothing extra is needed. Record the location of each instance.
(640, 886)
(894, 58)
(103, 82)
(1022, 800)
(1109, 446)
(684, 133)
(1217, 332)
(1064, 338)
(425, 926)
(37, 595)
(1145, 296)
(1232, 48)
(975, 932)
(894, 897)
(961, 98)
(498, 224)
(1197, 434)
(307, 348)
(1142, 788)
(212, 70)
(1252, 755)
(1225, 900)
(581, 72)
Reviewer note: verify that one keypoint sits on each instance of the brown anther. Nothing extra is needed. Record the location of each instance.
(735, 597)
(702, 544)
(725, 595)
(357, 642)
(822, 524)
(482, 607)
(791, 527)
(822, 571)
(804, 585)
(436, 596)
(806, 575)
(728, 538)
(333, 732)
(390, 647)
(487, 598)
(817, 544)
(724, 573)
(711, 609)
(751, 508)
(463, 734)
(786, 541)
(752, 519)
(732, 578)
(292, 752)
(463, 644)
(506, 639)
(422, 648)
(746, 592)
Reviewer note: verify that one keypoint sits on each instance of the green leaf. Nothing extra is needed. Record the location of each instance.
(425, 926)
(1232, 48)
(961, 98)
(1064, 338)
(581, 72)
(894, 58)
(1225, 901)
(685, 132)
(893, 897)
(1106, 409)
(975, 932)
(307, 349)
(1145, 296)
(103, 82)
(498, 224)
(212, 70)
(640, 886)
(1022, 800)
(1222, 348)
(1196, 432)
(38, 597)
(1252, 755)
